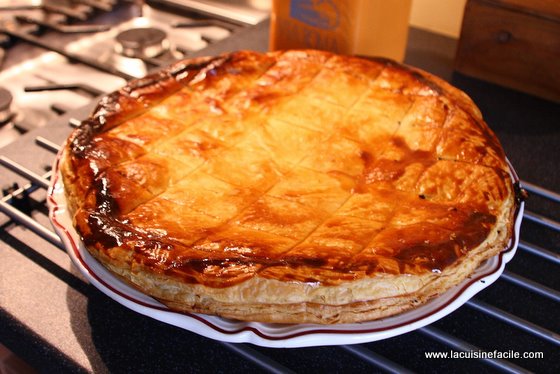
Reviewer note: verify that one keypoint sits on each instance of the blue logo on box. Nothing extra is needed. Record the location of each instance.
(323, 14)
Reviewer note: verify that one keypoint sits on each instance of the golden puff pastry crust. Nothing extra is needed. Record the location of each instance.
(290, 187)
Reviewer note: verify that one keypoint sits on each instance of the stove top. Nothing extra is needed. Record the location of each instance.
(58, 55)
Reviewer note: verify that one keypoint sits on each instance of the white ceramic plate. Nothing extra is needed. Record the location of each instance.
(263, 334)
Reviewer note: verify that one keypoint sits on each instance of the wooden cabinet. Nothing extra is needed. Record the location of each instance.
(514, 43)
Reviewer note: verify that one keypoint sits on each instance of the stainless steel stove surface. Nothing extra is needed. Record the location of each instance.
(56, 321)
(115, 42)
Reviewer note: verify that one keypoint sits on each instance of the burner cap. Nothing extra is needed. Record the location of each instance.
(142, 42)
(5, 102)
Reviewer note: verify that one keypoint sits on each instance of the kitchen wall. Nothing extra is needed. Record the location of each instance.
(440, 16)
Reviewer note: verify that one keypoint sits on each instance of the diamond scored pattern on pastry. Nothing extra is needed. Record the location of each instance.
(284, 173)
(304, 167)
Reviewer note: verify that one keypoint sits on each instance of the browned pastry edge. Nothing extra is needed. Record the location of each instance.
(263, 299)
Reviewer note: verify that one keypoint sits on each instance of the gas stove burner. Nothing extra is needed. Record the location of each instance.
(142, 42)
(5, 103)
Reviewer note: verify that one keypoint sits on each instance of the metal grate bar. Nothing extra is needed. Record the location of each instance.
(461, 345)
(27, 188)
(39, 180)
(375, 359)
(19, 216)
(11, 31)
(31, 224)
(74, 122)
(542, 220)
(261, 360)
(539, 251)
(515, 321)
(538, 190)
(531, 285)
(47, 144)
